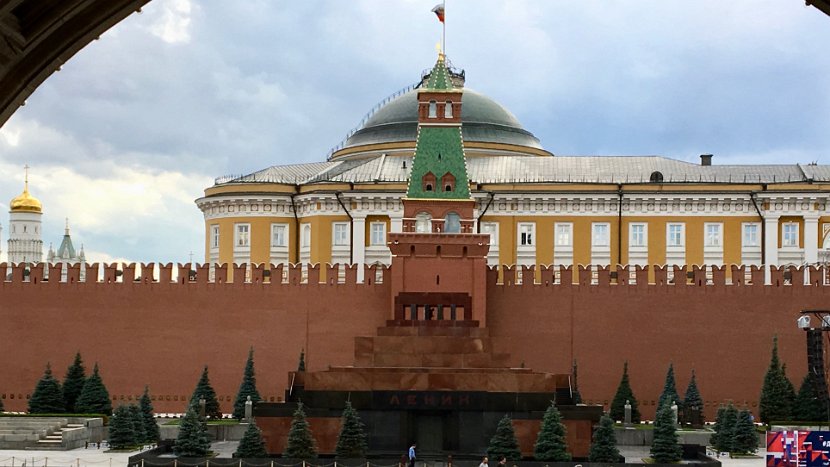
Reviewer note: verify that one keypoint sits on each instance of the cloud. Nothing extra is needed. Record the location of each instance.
(173, 24)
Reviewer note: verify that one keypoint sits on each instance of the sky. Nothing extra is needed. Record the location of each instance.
(133, 128)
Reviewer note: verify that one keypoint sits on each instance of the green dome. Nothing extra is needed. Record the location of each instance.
(483, 120)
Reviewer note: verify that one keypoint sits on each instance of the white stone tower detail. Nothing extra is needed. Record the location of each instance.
(66, 255)
(25, 244)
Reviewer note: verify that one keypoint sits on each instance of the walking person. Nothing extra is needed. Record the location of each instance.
(483, 462)
(412, 455)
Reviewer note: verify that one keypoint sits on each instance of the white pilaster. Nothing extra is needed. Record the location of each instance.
(811, 238)
(359, 245)
(770, 245)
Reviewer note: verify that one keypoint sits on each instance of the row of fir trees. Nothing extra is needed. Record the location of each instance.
(78, 394)
(134, 424)
(780, 403)
(689, 408)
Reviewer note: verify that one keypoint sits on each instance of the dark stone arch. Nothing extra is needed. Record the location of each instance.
(38, 36)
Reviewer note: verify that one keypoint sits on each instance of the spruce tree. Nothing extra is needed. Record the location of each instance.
(726, 429)
(351, 444)
(47, 396)
(205, 391)
(624, 393)
(247, 388)
(94, 398)
(664, 448)
(138, 423)
(151, 428)
(715, 438)
(745, 438)
(669, 393)
(789, 392)
(121, 429)
(301, 365)
(604, 446)
(576, 397)
(550, 443)
(693, 404)
(774, 402)
(808, 406)
(193, 440)
(251, 446)
(300, 440)
(504, 442)
(73, 383)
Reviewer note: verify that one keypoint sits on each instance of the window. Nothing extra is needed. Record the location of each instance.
(341, 234)
(377, 232)
(278, 235)
(305, 238)
(452, 223)
(448, 109)
(751, 235)
(563, 234)
(526, 233)
(790, 234)
(423, 222)
(656, 177)
(433, 109)
(214, 236)
(600, 234)
(675, 235)
(243, 238)
(637, 235)
(491, 228)
(713, 235)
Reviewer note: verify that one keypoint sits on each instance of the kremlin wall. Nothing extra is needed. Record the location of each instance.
(162, 332)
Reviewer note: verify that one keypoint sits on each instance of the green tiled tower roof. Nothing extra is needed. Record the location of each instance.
(439, 78)
(439, 149)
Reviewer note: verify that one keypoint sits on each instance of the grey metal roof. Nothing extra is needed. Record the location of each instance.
(484, 120)
(536, 169)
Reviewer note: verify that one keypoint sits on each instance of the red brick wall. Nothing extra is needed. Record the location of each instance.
(163, 334)
(723, 333)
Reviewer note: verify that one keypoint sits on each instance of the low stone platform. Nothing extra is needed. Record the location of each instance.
(48, 433)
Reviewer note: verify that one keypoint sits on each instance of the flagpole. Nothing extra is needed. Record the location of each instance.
(444, 27)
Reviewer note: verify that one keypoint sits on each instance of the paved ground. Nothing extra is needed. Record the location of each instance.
(98, 458)
(636, 453)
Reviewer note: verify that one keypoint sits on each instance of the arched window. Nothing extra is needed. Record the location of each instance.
(656, 177)
(448, 109)
(452, 223)
(423, 222)
(433, 109)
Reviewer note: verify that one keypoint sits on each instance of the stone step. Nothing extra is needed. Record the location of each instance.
(421, 345)
(490, 381)
(466, 361)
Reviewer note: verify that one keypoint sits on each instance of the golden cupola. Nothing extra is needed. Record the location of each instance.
(25, 202)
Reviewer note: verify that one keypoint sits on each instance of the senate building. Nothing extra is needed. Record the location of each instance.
(539, 207)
